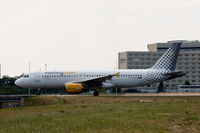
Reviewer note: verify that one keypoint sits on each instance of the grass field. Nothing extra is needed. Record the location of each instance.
(103, 114)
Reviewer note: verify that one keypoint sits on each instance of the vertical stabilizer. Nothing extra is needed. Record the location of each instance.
(169, 58)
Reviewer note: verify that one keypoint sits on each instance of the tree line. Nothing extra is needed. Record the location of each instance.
(7, 86)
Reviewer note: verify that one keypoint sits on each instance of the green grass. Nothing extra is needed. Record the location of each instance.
(103, 114)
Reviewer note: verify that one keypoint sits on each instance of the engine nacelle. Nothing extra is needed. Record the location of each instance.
(74, 88)
(107, 85)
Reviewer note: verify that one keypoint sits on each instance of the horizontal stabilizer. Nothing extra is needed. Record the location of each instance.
(175, 74)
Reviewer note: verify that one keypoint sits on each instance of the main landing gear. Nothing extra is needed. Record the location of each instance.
(38, 92)
(161, 87)
(96, 93)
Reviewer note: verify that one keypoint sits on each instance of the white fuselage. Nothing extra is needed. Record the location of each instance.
(76, 81)
(125, 78)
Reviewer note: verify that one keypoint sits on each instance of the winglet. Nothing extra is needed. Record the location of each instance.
(117, 74)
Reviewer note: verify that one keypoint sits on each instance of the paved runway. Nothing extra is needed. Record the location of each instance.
(126, 95)
(139, 94)
(165, 94)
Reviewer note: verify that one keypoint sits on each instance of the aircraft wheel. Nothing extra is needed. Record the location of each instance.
(96, 93)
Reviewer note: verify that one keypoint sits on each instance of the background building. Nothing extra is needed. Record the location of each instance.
(188, 62)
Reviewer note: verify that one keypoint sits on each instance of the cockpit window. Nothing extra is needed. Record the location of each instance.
(26, 76)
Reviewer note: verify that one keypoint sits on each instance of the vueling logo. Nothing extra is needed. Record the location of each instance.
(170, 53)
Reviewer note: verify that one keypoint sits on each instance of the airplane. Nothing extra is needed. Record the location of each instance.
(78, 81)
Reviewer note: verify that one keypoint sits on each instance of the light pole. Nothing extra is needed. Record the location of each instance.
(45, 67)
(0, 71)
(29, 70)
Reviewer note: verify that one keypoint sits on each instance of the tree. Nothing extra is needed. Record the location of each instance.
(7, 86)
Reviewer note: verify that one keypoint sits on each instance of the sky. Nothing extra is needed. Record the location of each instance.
(88, 34)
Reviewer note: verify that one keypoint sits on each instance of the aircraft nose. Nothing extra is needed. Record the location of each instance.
(18, 82)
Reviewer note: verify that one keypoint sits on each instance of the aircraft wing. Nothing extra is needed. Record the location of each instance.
(96, 82)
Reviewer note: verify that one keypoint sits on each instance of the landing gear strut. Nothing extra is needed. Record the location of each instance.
(38, 92)
(161, 87)
(96, 93)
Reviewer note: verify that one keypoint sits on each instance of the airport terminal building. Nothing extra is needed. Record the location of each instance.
(188, 62)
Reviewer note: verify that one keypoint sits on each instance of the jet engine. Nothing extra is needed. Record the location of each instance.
(74, 88)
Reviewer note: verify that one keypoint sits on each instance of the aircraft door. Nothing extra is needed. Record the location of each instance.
(37, 78)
